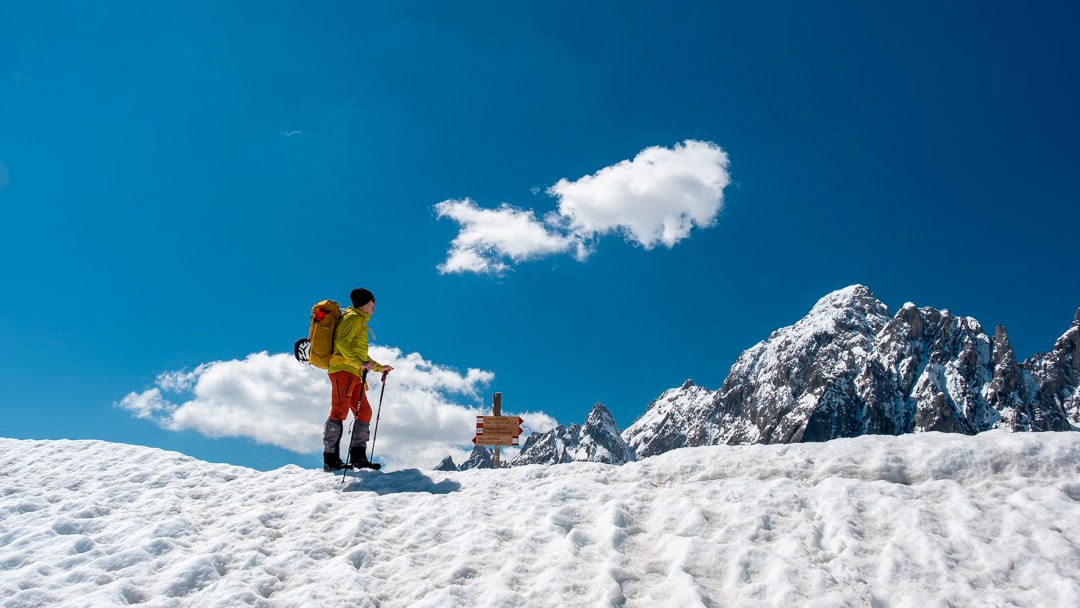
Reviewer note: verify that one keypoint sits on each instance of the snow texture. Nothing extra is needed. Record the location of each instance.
(929, 519)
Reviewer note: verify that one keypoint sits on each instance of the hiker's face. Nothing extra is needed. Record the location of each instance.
(369, 307)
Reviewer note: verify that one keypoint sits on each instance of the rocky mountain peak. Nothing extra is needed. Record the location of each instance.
(447, 464)
(782, 390)
(669, 419)
(848, 308)
(598, 440)
(480, 458)
(852, 295)
(599, 419)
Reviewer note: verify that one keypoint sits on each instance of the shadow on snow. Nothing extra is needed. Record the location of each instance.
(395, 482)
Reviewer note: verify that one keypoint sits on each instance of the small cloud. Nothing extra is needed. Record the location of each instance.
(292, 133)
(488, 236)
(656, 198)
(147, 405)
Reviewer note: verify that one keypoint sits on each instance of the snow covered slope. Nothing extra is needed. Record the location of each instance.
(912, 521)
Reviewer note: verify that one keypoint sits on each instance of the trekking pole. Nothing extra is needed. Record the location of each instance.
(345, 469)
(378, 414)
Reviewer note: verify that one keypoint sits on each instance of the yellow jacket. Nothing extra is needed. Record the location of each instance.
(351, 343)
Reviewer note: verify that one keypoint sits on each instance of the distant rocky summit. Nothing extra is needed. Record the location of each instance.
(598, 440)
(480, 458)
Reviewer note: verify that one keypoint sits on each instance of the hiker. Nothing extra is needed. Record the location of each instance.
(348, 370)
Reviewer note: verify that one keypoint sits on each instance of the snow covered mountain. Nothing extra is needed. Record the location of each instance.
(848, 368)
(480, 458)
(597, 441)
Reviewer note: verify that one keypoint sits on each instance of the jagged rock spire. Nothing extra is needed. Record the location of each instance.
(447, 464)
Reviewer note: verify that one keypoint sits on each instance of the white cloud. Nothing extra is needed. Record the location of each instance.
(489, 235)
(657, 198)
(147, 404)
(292, 133)
(428, 410)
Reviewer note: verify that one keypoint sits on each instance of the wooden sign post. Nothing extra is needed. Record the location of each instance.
(497, 430)
(496, 410)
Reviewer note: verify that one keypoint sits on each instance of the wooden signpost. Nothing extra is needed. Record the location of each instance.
(497, 430)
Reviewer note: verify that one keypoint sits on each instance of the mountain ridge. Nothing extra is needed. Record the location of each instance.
(848, 368)
(845, 369)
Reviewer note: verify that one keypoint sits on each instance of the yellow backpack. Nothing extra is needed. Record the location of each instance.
(318, 347)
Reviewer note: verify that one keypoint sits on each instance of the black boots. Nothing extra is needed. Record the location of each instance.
(332, 462)
(358, 459)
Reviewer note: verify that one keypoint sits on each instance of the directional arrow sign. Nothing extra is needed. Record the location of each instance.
(491, 439)
(501, 425)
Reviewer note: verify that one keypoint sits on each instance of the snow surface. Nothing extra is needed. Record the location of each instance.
(918, 520)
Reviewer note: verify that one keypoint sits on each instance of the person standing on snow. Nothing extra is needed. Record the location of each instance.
(348, 368)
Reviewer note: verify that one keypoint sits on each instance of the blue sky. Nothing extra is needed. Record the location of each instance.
(565, 204)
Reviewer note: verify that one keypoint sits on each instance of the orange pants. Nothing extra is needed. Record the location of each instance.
(347, 394)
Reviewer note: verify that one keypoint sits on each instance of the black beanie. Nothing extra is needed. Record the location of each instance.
(360, 297)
